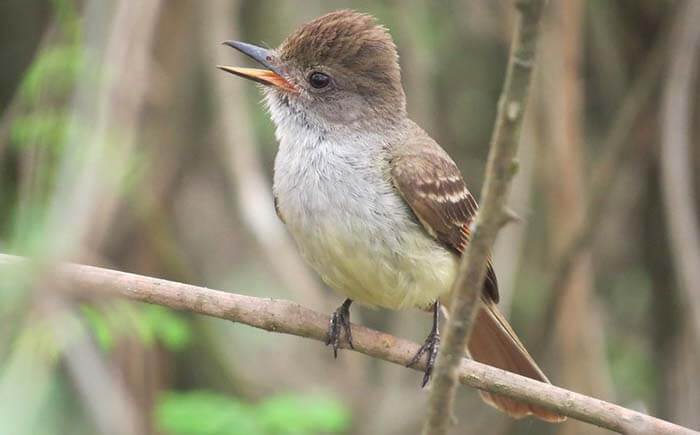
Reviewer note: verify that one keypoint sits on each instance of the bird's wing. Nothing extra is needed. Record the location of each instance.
(434, 189)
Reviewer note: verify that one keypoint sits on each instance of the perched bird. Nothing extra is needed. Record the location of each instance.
(375, 206)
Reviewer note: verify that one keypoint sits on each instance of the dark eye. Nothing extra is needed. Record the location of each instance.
(319, 80)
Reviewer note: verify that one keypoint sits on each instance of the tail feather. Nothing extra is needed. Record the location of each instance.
(494, 342)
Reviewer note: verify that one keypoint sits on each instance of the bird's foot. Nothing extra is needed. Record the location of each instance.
(430, 346)
(340, 322)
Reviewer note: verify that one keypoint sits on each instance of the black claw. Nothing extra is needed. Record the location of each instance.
(430, 346)
(333, 333)
(345, 322)
(340, 322)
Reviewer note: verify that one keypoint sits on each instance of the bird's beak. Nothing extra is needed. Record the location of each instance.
(272, 76)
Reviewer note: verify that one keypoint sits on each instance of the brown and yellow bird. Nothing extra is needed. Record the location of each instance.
(375, 205)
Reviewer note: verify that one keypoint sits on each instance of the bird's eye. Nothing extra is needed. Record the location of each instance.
(319, 80)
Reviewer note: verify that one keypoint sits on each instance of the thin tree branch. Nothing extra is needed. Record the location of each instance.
(291, 318)
(676, 171)
(492, 216)
(508, 248)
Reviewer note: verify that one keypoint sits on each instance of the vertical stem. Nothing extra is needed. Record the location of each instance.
(500, 169)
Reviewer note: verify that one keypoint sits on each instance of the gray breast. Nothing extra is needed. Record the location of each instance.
(323, 182)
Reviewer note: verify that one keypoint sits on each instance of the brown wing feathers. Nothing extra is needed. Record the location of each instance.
(432, 186)
(434, 189)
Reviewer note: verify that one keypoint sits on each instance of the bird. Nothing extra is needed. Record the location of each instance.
(375, 206)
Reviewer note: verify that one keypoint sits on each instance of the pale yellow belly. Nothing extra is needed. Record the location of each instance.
(412, 273)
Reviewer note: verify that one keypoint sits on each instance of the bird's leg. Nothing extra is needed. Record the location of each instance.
(431, 346)
(340, 321)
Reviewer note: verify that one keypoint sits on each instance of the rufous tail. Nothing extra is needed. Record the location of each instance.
(494, 342)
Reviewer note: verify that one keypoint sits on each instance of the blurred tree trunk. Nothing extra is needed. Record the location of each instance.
(681, 387)
(579, 336)
(675, 349)
(111, 112)
(679, 101)
(143, 237)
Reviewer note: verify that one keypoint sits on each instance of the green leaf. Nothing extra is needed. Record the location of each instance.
(208, 413)
(99, 326)
(67, 17)
(169, 328)
(137, 323)
(44, 128)
(53, 73)
(290, 414)
(150, 323)
(205, 413)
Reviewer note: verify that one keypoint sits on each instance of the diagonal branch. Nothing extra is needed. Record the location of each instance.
(290, 318)
(492, 215)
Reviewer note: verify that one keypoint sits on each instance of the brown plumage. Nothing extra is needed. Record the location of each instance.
(433, 187)
(355, 51)
(431, 184)
(361, 55)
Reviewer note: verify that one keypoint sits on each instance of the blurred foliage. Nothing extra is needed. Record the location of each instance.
(53, 73)
(40, 124)
(631, 367)
(175, 216)
(151, 324)
(208, 413)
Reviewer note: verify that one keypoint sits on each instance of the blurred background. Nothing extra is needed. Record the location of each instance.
(121, 145)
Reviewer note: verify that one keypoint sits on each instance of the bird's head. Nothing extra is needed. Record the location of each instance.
(339, 69)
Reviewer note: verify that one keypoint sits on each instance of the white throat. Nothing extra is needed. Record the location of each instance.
(320, 166)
